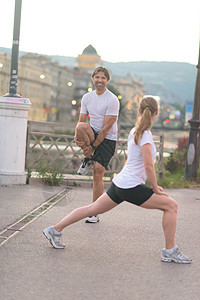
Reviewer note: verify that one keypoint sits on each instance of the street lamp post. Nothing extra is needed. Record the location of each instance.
(13, 120)
(15, 51)
(192, 161)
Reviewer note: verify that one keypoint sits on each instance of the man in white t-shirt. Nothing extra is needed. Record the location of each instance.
(97, 140)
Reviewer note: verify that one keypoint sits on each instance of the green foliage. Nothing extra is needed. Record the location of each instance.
(174, 180)
(51, 175)
(28, 171)
(177, 159)
(177, 180)
(174, 169)
(170, 165)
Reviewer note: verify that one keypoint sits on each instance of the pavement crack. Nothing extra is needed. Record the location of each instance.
(17, 226)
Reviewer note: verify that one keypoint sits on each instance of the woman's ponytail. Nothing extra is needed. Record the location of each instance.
(148, 107)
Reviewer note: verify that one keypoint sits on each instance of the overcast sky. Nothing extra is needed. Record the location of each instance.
(128, 30)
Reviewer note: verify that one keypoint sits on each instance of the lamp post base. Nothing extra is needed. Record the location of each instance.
(13, 124)
(11, 95)
(192, 160)
(12, 178)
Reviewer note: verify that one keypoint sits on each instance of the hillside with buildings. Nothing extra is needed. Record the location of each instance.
(174, 82)
(56, 84)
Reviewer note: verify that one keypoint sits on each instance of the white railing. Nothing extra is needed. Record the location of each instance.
(60, 150)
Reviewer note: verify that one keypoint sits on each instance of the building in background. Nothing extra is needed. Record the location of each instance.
(56, 91)
(131, 92)
(85, 65)
(89, 59)
(48, 86)
(129, 89)
(82, 85)
(34, 82)
(5, 62)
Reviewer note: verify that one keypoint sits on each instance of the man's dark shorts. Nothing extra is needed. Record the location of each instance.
(136, 195)
(104, 151)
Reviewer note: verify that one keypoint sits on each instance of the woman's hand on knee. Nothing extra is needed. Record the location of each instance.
(159, 190)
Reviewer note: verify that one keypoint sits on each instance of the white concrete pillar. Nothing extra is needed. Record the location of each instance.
(13, 128)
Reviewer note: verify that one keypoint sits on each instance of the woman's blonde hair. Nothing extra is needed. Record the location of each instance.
(148, 107)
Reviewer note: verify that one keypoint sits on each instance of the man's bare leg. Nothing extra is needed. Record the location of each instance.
(98, 185)
(98, 188)
(84, 134)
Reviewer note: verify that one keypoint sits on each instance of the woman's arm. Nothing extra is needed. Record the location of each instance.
(150, 169)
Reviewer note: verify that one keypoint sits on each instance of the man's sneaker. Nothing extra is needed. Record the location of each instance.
(83, 169)
(92, 219)
(54, 238)
(175, 256)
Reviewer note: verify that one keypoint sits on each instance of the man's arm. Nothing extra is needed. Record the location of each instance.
(82, 118)
(108, 123)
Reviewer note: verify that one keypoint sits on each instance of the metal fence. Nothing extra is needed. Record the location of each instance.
(60, 151)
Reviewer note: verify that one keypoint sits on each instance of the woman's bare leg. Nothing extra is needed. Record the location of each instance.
(101, 205)
(169, 208)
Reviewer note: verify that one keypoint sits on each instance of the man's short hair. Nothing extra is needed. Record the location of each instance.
(101, 69)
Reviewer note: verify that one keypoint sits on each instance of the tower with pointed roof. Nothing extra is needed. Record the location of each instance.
(89, 59)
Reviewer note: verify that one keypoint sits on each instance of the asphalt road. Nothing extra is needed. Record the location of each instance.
(115, 259)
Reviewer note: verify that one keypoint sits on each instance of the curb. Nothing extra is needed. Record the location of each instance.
(70, 182)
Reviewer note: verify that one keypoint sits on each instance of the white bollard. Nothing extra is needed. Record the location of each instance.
(13, 128)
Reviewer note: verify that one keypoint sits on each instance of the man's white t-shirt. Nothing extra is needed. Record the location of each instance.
(98, 106)
(133, 173)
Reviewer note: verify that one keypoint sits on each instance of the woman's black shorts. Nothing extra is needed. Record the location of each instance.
(136, 195)
(104, 151)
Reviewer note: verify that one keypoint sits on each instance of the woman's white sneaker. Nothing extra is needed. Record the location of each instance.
(176, 256)
(53, 237)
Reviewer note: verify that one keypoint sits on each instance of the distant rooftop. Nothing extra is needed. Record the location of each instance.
(90, 50)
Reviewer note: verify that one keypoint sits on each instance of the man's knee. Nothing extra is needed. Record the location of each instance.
(82, 126)
(98, 172)
(84, 129)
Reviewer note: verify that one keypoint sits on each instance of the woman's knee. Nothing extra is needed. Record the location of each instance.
(92, 209)
(172, 205)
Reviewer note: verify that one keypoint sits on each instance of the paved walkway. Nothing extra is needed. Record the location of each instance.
(118, 258)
